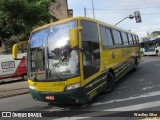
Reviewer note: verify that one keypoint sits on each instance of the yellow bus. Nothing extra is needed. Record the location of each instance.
(73, 60)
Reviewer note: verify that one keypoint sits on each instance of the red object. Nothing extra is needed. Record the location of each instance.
(49, 97)
(21, 69)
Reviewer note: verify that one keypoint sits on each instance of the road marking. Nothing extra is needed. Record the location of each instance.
(146, 83)
(150, 94)
(56, 108)
(146, 88)
(123, 109)
(157, 65)
(141, 80)
(111, 101)
(136, 107)
(122, 87)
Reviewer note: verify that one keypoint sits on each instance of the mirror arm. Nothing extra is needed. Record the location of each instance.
(80, 49)
(77, 48)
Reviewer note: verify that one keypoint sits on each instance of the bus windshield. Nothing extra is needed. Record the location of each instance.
(51, 55)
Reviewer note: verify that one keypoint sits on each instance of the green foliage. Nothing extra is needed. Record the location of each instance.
(19, 17)
(156, 32)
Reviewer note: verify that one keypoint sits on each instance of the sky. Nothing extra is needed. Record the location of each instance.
(112, 11)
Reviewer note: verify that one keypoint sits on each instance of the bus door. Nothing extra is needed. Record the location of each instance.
(91, 48)
(90, 63)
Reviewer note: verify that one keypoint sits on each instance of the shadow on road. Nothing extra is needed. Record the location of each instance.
(10, 80)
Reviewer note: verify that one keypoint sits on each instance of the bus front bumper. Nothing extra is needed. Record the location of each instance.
(70, 96)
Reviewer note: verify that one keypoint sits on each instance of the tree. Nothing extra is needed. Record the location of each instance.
(19, 17)
(156, 32)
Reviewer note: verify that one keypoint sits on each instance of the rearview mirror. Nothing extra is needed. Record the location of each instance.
(73, 33)
(15, 49)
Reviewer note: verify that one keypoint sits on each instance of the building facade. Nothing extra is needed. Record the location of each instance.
(60, 10)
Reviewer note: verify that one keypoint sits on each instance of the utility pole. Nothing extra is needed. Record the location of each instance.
(85, 11)
(93, 9)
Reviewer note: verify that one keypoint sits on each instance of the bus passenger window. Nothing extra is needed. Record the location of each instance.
(130, 39)
(125, 39)
(106, 37)
(133, 38)
(117, 37)
(137, 39)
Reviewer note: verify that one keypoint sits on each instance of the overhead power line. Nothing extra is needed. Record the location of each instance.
(124, 8)
(131, 5)
(151, 14)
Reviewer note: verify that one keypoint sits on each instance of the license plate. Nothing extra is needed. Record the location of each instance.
(49, 97)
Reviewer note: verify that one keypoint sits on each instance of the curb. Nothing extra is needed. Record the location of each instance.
(14, 94)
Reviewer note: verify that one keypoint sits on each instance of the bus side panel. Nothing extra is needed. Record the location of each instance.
(96, 86)
(12, 68)
(21, 68)
(127, 56)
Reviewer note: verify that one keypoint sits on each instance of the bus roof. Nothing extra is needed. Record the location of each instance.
(156, 38)
(84, 18)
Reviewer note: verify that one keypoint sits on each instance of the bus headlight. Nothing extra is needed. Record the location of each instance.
(31, 87)
(73, 86)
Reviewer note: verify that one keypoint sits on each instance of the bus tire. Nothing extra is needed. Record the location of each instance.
(142, 54)
(24, 77)
(135, 65)
(157, 53)
(110, 82)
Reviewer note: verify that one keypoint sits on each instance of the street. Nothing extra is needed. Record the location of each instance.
(136, 91)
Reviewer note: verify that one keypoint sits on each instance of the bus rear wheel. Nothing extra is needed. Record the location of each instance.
(157, 53)
(110, 82)
(135, 65)
(142, 54)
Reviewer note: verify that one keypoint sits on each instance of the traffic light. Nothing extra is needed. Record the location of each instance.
(137, 16)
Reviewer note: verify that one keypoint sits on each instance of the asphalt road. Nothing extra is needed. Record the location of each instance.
(137, 91)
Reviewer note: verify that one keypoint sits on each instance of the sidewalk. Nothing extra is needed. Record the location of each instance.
(13, 88)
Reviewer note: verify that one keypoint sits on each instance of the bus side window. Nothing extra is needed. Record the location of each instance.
(133, 39)
(106, 37)
(137, 39)
(130, 39)
(124, 37)
(117, 37)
